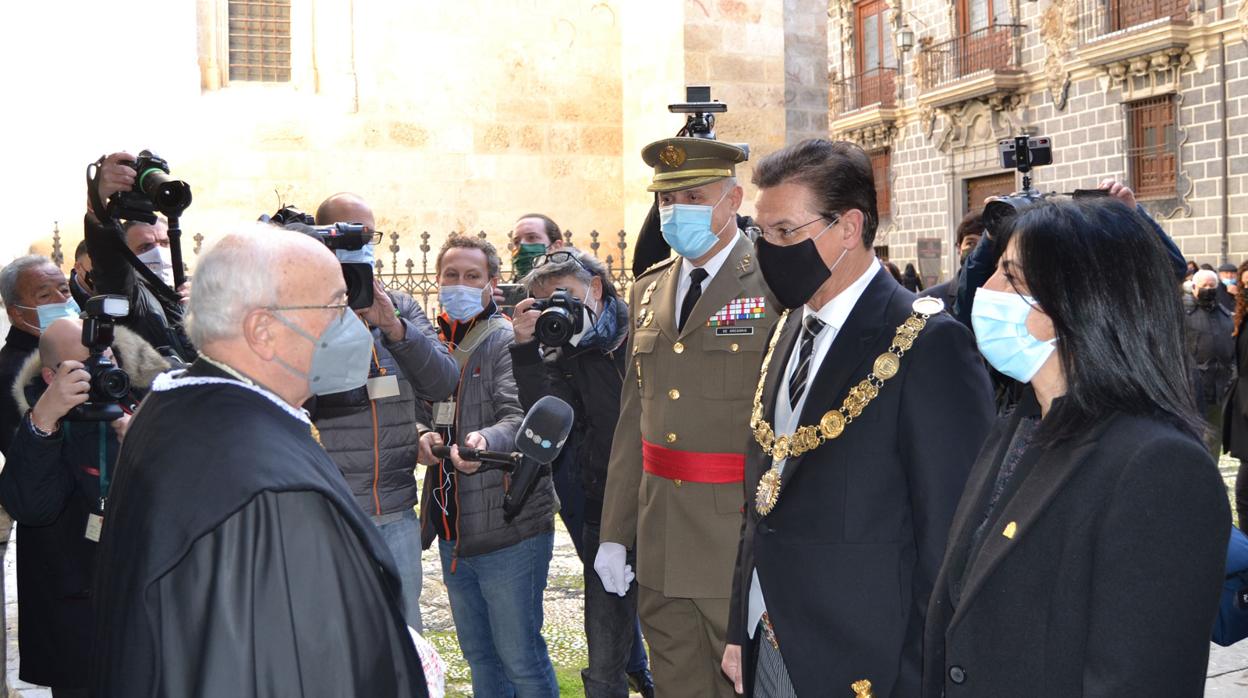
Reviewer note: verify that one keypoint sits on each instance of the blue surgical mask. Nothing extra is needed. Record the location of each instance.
(365, 255)
(341, 357)
(1000, 322)
(1228, 282)
(461, 303)
(51, 312)
(687, 228)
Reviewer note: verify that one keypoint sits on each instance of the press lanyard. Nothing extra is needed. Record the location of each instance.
(102, 466)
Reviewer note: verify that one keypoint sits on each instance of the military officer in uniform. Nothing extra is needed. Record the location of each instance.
(699, 327)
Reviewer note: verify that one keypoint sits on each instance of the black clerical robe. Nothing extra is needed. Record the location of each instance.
(234, 562)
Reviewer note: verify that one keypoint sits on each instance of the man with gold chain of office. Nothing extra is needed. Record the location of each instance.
(699, 328)
(868, 414)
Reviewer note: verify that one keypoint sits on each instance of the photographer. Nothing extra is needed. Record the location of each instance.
(982, 261)
(156, 309)
(586, 371)
(371, 433)
(51, 485)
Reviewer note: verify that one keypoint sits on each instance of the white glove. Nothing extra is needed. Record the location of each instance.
(611, 567)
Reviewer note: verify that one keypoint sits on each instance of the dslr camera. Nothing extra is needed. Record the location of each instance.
(110, 385)
(350, 242)
(154, 190)
(561, 318)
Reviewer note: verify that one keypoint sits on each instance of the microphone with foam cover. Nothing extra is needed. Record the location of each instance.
(540, 438)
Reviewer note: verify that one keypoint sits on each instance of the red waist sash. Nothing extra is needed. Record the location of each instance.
(713, 468)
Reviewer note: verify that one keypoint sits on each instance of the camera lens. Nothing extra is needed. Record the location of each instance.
(554, 327)
(113, 383)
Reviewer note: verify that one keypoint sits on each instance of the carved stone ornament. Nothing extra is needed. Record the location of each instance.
(873, 137)
(1150, 74)
(1242, 15)
(980, 122)
(1058, 27)
(918, 67)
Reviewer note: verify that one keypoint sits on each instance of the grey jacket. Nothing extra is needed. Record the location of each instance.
(487, 403)
(375, 444)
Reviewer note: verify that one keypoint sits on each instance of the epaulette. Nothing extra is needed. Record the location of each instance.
(657, 265)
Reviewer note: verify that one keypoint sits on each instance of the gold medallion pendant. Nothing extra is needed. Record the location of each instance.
(768, 492)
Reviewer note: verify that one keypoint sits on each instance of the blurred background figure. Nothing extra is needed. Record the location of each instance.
(1210, 351)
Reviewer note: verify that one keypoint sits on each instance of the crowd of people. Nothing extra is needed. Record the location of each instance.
(792, 470)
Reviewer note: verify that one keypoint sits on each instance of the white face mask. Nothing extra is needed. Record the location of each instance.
(160, 260)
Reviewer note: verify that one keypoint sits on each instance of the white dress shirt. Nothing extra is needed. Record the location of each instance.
(834, 313)
(711, 267)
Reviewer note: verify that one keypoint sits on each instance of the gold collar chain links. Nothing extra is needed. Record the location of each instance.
(833, 423)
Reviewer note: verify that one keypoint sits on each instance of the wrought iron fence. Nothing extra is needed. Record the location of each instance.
(419, 279)
(994, 48)
(1101, 18)
(875, 86)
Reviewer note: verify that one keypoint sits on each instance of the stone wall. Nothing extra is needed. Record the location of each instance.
(935, 149)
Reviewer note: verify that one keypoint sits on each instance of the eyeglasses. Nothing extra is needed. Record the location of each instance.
(559, 257)
(332, 306)
(786, 234)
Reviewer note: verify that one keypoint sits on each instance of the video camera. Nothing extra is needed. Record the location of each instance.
(109, 384)
(561, 318)
(701, 110)
(1022, 153)
(350, 242)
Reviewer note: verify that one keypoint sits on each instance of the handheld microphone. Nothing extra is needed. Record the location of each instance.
(540, 438)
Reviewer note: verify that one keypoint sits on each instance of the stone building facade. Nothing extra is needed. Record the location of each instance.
(446, 116)
(1151, 92)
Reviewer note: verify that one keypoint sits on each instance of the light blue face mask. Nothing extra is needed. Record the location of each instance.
(340, 357)
(1000, 322)
(51, 312)
(461, 303)
(365, 255)
(687, 228)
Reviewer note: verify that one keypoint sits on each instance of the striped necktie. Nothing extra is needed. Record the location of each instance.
(797, 382)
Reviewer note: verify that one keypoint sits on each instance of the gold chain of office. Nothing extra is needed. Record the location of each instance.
(833, 422)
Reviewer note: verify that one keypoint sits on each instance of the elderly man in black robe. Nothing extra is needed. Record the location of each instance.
(233, 560)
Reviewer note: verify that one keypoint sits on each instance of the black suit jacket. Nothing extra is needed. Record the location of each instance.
(1109, 583)
(848, 556)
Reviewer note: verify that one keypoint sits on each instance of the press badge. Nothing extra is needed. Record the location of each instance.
(383, 387)
(444, 413)
(95, 523)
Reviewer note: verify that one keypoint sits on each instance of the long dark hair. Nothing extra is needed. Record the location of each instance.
(1241, 299)
(1120, 335)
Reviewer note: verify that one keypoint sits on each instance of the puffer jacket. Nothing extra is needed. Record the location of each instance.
(374, 442)
(486, 402)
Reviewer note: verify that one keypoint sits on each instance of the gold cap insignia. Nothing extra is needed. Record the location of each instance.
(1010, 530)
(672, 156)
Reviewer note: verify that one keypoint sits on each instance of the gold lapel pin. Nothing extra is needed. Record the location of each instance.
(1010, 529)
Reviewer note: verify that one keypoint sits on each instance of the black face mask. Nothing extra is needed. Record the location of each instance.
(1206, 296)
(794, 272)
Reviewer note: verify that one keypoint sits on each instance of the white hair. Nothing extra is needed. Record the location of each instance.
(1202, 276)
(12, 273)
(237, 275)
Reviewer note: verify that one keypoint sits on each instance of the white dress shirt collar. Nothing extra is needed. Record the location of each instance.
(835, 312)
(712, 265)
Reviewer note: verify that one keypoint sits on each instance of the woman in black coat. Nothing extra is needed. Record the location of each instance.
(1235, 418)
(1086, 556)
